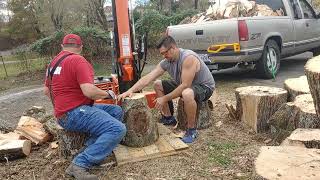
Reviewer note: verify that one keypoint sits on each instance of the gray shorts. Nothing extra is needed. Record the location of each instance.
(201, 92)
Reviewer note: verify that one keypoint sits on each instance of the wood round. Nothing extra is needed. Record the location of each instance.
(312, 71)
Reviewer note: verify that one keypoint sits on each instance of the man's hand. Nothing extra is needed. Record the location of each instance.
(160, 103)
(124, 95)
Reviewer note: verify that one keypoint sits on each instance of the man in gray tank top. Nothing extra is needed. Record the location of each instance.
(191, 80)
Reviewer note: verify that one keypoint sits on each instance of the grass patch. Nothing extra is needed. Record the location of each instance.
(14, 69)
(220, 153)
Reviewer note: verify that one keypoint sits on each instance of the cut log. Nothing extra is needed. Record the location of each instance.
(12, 149)
(256, 104)
(37, 112)
(296, 86)
(286, 142)
(282, 122)
(309, 137)
(70, 143)
(307, 115)
(141, 126)
(288, 162)
(10, 136)
(203, 115)
(33, 130)
(312, 70)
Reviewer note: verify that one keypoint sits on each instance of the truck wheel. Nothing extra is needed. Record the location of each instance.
(269, 64)
(316, 51)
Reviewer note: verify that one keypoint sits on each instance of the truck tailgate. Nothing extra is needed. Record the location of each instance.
(199, 36)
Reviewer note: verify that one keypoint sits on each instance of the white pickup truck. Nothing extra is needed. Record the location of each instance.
(258, 40)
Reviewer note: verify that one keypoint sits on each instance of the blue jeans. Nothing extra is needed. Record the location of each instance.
(103, 124)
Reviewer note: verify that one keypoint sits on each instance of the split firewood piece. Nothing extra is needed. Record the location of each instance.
(232, 112)
(203, 115)
(10, 136)
(256, 104)
(12, 149)
(309, 137)
(142, 129)
(33, 130)
(307, 114)
(312, 70)
(296, 86)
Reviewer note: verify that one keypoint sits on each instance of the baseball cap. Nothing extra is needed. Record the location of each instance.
(72, 39)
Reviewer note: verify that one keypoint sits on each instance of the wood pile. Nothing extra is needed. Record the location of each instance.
(29, 131)
(232, 9)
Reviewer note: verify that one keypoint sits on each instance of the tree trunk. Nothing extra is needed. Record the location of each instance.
(256, 104)
(196, 2)
(203, 116)
(296, 86)
(142, 128)
(312, 71)
(12, 149)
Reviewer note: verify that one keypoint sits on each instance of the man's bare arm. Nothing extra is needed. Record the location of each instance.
(93, 92)
(189, 68)
(147, 79)
(46, 91)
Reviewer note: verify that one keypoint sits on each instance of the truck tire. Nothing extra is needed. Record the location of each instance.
(269, 64)
(316, 51)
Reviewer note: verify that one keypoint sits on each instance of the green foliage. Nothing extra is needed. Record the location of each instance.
(154, 23)
(95, 43)
(220, 153)
(49, 45)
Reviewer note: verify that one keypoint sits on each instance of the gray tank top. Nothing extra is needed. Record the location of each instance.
(203, 76)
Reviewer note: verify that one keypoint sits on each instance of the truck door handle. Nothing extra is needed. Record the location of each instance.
(307, 24)
(199, 32)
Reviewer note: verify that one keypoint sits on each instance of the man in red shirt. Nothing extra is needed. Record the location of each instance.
(69, 85)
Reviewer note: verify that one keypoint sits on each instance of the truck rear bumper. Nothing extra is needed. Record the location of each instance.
(234, 57)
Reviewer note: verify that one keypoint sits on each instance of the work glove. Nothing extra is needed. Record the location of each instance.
(112, 95)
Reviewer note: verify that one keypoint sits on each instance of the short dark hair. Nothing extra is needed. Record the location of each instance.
(166, 42)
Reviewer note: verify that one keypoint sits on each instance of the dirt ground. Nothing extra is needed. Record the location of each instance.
(226, 150)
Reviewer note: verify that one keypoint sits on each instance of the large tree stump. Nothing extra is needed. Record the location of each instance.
(288, 162)
(256, 104)
(307, 114)
(70, 143)
(282, 122)
(309, 137)
(203, 115)
(296, 86)
(12, 149)
(312, 70)
(142, 129)
(293, 115)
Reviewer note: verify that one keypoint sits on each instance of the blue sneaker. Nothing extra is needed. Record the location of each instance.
(168, 120)
(190, 136)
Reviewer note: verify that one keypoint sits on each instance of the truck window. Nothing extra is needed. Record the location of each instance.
(307, 10)
(273, 4)
(294, 6)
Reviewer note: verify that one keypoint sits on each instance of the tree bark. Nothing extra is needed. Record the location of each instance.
(296, 86)
(142, 128)
(12, 149)
(203, 115)
(256, 104)
(312, 71)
